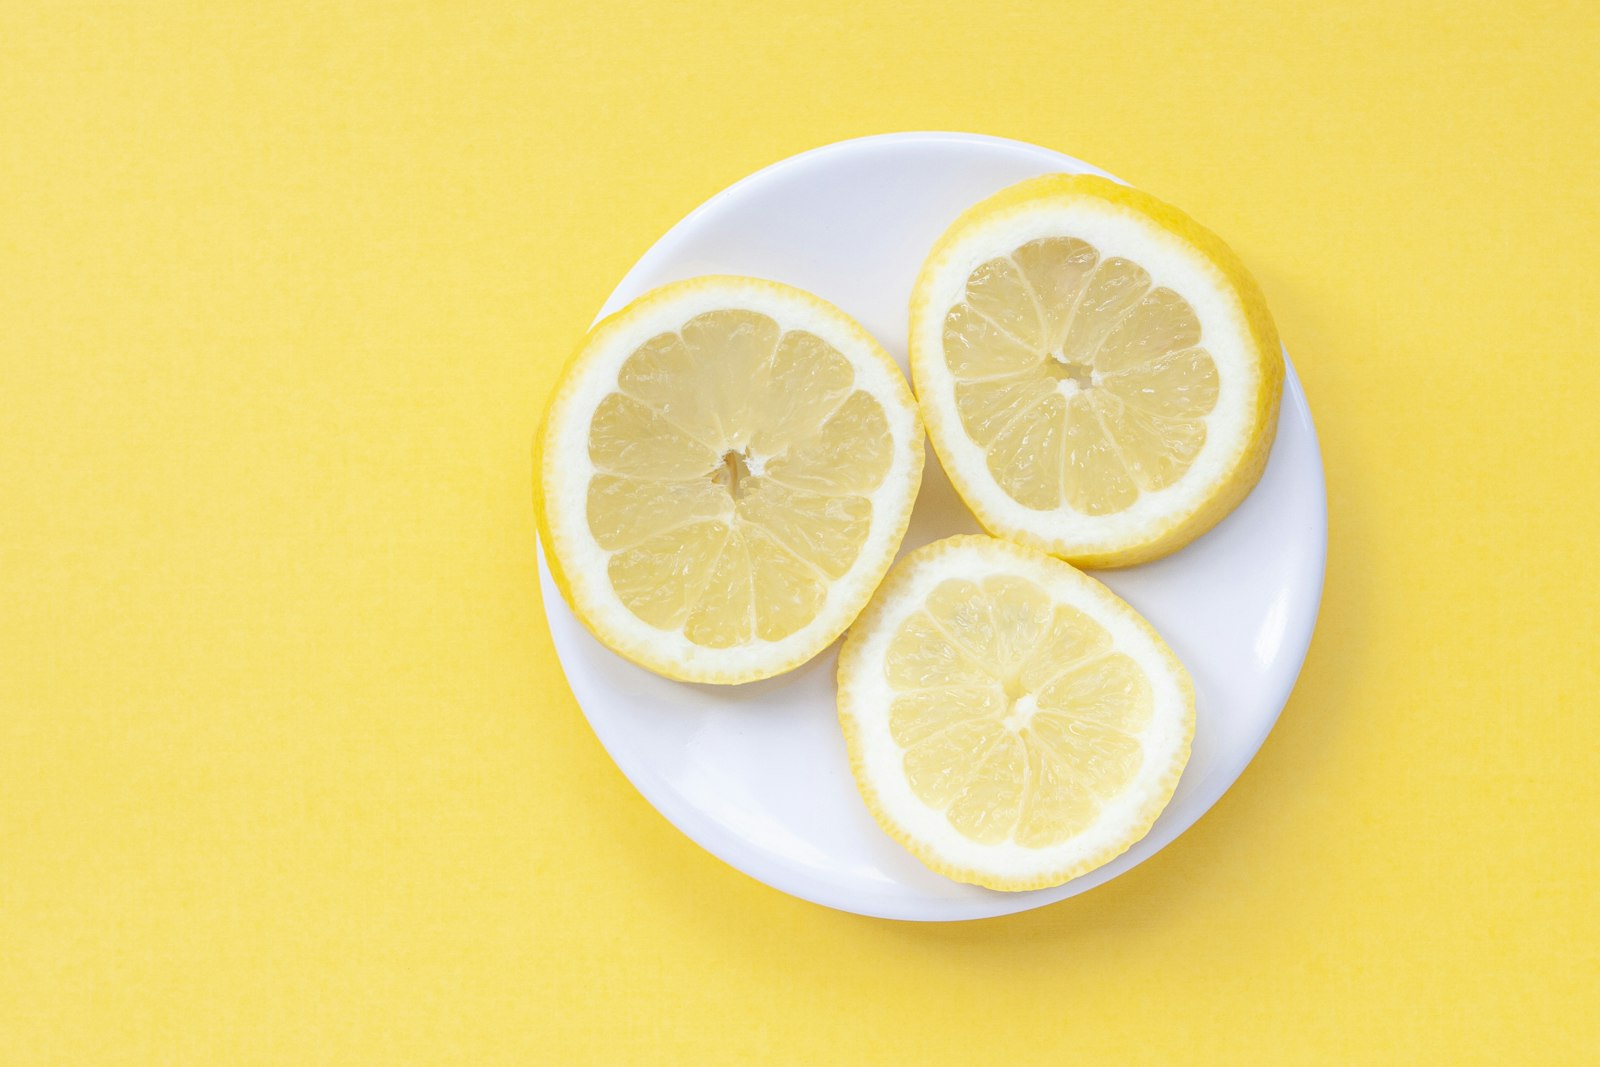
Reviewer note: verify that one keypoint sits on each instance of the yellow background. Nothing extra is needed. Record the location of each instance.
(288, 772)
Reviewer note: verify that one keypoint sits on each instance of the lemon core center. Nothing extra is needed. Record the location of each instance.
(1063, 369)
(733, 472)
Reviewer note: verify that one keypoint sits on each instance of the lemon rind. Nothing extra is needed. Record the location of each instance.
(643, 645)
(853, 662)
(1240, 471)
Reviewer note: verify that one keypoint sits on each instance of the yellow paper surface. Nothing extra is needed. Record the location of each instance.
(288, 772)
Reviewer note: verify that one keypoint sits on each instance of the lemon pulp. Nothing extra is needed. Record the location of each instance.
(1082, 381)
(1016, 717)
(734, 468)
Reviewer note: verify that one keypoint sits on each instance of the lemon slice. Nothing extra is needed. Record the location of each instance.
(726, 470)
(1009, 719)
(1099, 374)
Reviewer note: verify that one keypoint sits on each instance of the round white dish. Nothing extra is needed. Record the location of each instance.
(756, 774)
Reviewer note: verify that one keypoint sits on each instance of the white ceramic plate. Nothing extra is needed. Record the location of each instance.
(756, 774)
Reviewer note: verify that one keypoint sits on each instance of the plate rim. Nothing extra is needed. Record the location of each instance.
(689, 819)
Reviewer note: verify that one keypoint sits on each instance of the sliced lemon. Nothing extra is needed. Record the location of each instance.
(726, 470)
(1009, 719)
(1099, 375)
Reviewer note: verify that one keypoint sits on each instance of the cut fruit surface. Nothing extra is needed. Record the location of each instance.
(1009, 719)
(726, 470)
(1099, 375)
